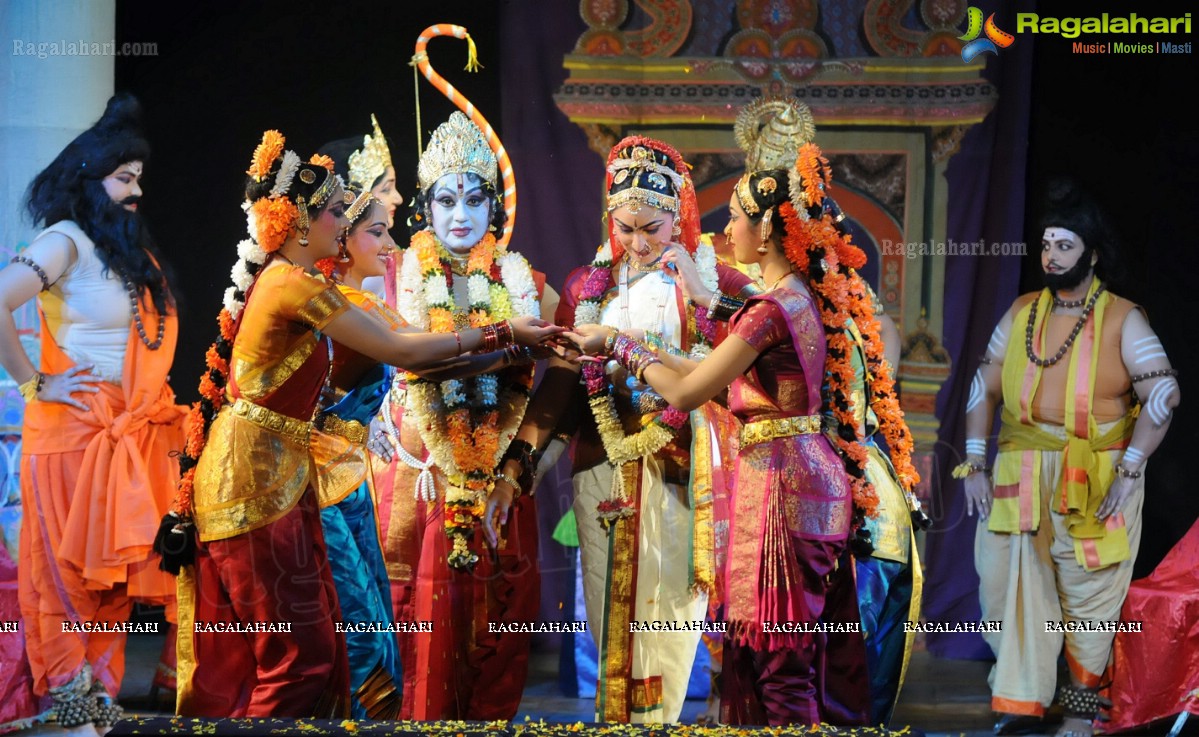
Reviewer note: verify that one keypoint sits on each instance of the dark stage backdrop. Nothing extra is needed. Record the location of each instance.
(1118, 124)
(315, 71)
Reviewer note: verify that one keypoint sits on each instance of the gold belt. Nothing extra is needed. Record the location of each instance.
(762, 431)
(351, 430)
(269, 419)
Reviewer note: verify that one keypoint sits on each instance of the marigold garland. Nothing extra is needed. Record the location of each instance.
(274, 220)
(841, 293)
(265, 154)
(466, 425)
(322, 160)
(814, 172)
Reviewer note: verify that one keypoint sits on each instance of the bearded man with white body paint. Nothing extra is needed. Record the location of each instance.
(1087, 394)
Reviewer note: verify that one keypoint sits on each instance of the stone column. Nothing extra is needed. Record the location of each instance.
(57, 61)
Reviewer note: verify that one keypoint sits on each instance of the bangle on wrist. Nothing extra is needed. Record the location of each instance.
(31, 388)
(504, 333)
(634, 356)
(976, 447)
(507, 478)
(1124, 473)
(968, 468)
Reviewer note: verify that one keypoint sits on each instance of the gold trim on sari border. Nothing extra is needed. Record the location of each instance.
(646, 694)
(185, 651)
(250, 473)
(322, 308)
(256, 380)
(700, 493)
(613, 692)
(341, 466)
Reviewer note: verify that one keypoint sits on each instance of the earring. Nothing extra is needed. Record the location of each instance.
(764, 230)
(343, 253)
(302, 220)
(677, 230)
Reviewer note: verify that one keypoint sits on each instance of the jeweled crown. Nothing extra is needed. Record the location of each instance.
(456, 147)
(371, 161)
(771, 131)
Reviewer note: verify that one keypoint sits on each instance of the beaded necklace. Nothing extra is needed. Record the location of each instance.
(1082, 320)
(137, 319)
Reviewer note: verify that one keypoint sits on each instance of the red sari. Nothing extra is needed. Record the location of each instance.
(261, 561)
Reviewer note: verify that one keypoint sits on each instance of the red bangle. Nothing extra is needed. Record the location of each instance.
(503, 333)
(490, 339)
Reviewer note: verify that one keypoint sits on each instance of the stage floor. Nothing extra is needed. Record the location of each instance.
(941, 697)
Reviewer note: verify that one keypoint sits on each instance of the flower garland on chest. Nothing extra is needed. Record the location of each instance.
(661, 427)
(466, 424)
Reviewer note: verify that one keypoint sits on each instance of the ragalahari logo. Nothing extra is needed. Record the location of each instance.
(995, 38)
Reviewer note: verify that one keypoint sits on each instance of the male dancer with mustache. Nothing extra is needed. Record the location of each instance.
(1060, 522)
(100, 420)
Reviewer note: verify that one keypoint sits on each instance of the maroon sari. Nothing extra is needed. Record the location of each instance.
(791, 520)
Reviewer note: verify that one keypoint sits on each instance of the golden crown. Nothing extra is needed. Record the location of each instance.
(371, 161)
(771, 131)
(456, 147)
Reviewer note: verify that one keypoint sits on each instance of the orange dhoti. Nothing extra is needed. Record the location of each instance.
(94, 486)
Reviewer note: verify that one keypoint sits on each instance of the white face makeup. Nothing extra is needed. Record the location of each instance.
(461, 211)
(1060, 250)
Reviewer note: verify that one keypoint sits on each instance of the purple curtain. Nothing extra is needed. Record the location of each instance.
(986, 201)
(559, 186)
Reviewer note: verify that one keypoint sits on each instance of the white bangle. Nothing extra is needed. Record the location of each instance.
(976, 447)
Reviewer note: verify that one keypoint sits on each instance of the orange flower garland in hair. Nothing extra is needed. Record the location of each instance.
(199, 419)
(321, 160)
(274, 219)
(802, 240)
(813, 170)
(265, 154)
(882, 388)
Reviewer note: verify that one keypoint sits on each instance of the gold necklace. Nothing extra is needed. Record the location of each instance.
(784, 276)
(643, 268)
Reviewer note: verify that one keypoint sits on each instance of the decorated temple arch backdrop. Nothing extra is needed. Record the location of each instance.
(891, 105)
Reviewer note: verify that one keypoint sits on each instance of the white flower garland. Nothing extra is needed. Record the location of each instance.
(287, 172)
(428, 402)
(616, 443)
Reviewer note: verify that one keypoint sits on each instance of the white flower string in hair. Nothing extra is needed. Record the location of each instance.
(287, 172)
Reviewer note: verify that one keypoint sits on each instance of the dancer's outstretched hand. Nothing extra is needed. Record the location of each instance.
(590, 338)
(533, 331)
